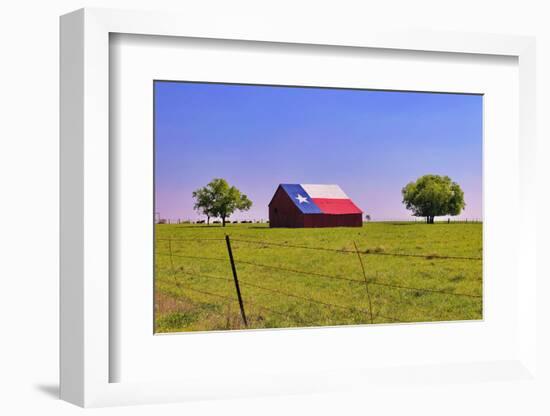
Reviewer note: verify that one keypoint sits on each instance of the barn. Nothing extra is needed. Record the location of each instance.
(313, 205)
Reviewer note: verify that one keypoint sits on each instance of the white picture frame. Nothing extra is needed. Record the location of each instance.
(85, 210)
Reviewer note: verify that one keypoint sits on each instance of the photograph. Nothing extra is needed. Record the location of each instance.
(282, 206)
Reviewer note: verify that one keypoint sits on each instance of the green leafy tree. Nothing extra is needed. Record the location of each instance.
(433, 195)
(204, 201)
(218, 199)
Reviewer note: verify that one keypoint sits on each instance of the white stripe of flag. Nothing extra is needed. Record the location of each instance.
(324, 191)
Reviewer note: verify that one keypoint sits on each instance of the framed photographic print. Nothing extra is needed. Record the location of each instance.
(237, 245)
(321, 200)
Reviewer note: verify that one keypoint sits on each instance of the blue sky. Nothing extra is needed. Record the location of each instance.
(371, 143)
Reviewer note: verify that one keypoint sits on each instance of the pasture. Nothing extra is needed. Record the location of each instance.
(413, 272)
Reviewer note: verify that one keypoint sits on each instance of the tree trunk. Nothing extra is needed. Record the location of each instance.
(223, 221)
(207, 220)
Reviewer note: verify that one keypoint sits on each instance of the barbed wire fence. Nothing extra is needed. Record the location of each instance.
(369, 313)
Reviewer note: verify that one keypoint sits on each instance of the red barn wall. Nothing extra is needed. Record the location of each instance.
(283, 212)
(333, 220)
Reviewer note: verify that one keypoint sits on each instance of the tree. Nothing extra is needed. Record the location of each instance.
(433, 195)
(203, 203)
(218, 199)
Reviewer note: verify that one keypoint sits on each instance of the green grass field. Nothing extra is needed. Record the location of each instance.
(195, 291)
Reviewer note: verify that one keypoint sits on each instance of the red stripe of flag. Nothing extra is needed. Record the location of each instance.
(336, 206)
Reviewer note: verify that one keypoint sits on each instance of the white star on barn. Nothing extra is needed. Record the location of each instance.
(301, 199)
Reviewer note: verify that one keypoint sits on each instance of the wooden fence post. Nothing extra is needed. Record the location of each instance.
(366, 282)
(237, 288)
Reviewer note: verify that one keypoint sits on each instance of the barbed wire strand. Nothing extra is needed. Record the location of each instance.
(190, 239)
(292, 295)
(336, 250)
(357, 281)
(287, 316)
(245, 283)
(307, 273)
(192, 257)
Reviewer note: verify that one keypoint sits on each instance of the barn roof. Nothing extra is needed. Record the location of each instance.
(320, 199)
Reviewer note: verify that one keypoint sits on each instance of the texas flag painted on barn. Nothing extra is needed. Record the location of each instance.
(320, 199)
